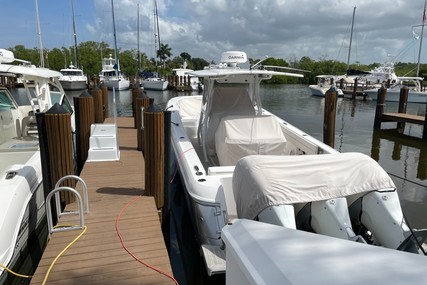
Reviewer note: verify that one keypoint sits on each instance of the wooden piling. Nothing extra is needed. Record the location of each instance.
(403, 101)
(105, 100)
(135, 93)
(379, 111)
(85, 117)
(154, 153)
(55, 136)
(98, 105)
(354, 94)
(329, 116)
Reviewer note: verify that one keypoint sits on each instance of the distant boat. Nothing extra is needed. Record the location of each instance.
(73, 77)
(154, 82)
(111, 77)
(415, 92)
(324, 83)
(110, 74)
(194, 84)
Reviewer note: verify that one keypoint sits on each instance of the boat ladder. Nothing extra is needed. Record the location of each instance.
(80, 208)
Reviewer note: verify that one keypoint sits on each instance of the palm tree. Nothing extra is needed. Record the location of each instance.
(164, 53)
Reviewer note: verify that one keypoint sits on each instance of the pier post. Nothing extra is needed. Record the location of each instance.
(425, 126)
(329, 116)
(354, 94)
(85, 117)
(56, 149)
(379, 111)
(97, 104)
(142, 102)
(154, 153)
(105, 101)
(403, 101)
(135, 93)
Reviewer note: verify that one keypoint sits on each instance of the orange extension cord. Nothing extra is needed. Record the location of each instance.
(128, 251)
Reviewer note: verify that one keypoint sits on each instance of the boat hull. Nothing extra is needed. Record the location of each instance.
(160, 85)
(73, 84)
(394, 96)
(121, 84)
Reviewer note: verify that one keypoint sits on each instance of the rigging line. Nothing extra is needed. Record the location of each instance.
(405, 179)
(128, 250)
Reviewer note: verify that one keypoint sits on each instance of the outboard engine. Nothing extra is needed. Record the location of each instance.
(331, 218)
(282, 215)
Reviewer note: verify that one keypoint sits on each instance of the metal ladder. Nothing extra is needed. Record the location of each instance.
(80, 209)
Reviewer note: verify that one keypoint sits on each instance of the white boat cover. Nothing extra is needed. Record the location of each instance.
(263, 181)
(190, 107)
(239, 136)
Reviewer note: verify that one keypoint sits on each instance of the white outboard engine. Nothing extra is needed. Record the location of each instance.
(281, 215)
(331, 218)
(383, 217)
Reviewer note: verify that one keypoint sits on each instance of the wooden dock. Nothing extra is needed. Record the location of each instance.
(115, 190)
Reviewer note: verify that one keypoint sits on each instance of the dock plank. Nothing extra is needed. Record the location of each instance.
(402, 117)
(98, 256)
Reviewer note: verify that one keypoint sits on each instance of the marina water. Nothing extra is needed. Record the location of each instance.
(403, 156)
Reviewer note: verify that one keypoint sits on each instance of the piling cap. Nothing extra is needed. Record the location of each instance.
(57, 109)
(85, 94)
(153, 108)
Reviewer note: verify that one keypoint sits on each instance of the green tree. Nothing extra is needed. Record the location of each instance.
(164, 53)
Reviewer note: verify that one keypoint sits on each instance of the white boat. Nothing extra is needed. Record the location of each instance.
(23, 229)
(110, 74)
(227, 150)
(194, 83)
(73, 78)
(111, 77)
(415, 92)
(154, 83)
(324, 83)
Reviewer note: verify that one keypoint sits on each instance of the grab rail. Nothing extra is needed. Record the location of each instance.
(85, 195)
(49, 210)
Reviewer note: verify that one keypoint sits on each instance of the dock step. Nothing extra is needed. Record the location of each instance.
(103, 143)
(215, 259)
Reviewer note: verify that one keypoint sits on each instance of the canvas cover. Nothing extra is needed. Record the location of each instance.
(190, 107)
(238, 136)
(262, 181)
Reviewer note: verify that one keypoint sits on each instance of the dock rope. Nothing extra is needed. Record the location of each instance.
(128, 250)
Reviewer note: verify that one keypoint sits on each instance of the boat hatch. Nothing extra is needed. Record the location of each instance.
(25, 145)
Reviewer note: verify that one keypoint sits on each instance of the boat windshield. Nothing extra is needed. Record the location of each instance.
(72, 73)
(61, 99)
(5, 102)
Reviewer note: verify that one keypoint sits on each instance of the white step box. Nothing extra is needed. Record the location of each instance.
(103, 143)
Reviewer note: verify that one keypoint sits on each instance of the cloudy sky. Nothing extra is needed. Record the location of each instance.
(288, 29)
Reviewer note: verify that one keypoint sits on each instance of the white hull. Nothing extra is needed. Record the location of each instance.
(118, 84)
(316, 90)
(394, 96)
(154, 84)
(73, 84)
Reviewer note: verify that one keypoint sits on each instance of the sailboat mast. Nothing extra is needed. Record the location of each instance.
(116, 66)
(137, 29)
(76, 62)
(421, 38)
(157, 32)
(39, 33)
(351, 38)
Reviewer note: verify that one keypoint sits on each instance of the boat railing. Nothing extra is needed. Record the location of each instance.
(80, 210)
